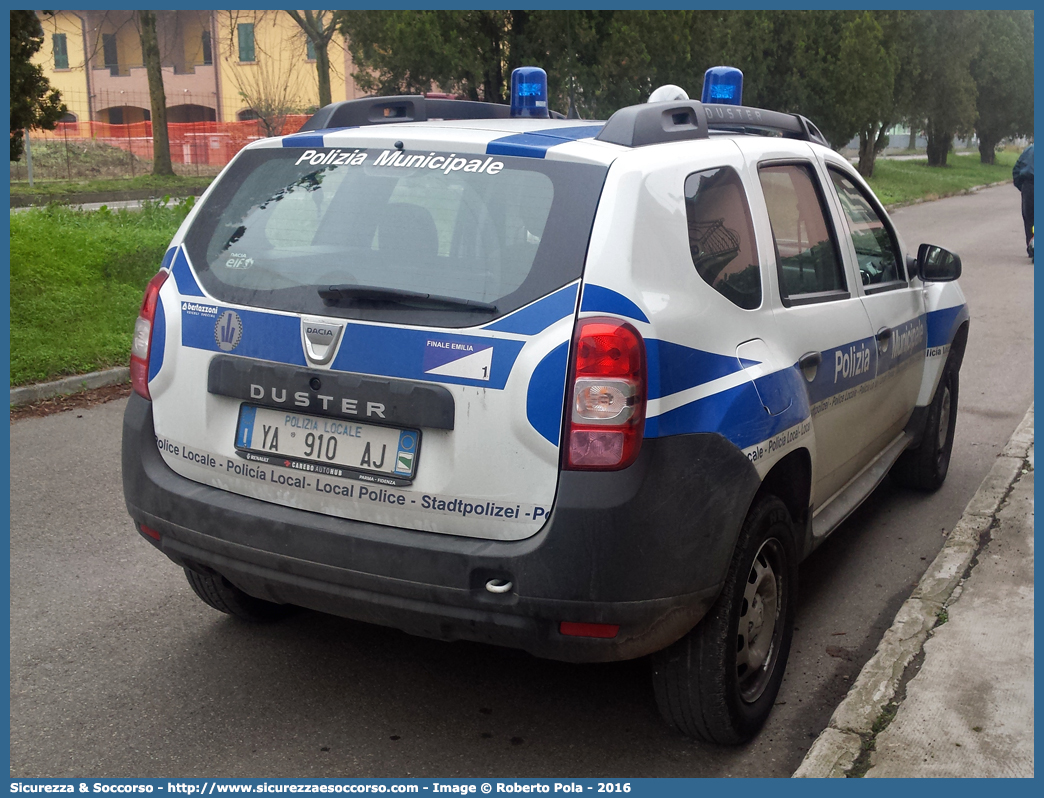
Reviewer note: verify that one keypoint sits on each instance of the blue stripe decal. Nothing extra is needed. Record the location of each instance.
(843, 368)
(484, 362)
(168, 257)
(313, 138)
(673, 367)
(907, 341)
(546, 395)
(536, 144)
(736, 413)
(309, 141)
(739, 413)
(159, 341)
(943, 323)
(778, 390)
(183, 276)
(604, 300)
(267, 336)
(539, 315)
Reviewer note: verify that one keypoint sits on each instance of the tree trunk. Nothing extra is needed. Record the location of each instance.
(157, 97)
(987, 151)
(322, 66)
(939, 143)
(867, 152)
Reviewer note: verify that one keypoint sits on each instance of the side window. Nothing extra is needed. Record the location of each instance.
(805, 249)
(875, 248)
(721, 235)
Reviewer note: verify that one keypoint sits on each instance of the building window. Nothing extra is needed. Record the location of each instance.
(61, 51)
(246, 41)
(309, 49)
(109, 53)
(208, 54)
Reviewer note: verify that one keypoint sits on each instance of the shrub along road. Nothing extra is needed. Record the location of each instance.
(85, 273)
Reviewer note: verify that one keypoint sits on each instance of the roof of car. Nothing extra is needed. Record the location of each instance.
(481, 128)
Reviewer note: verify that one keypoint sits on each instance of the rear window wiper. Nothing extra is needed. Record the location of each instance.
(333, 294)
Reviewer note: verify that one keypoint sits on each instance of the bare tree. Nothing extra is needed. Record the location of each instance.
(269, 86)
(318, 28)
(150, 55)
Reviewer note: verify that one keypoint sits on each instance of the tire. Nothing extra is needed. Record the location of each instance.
(223, 596)
(925, 467)
(705, 684)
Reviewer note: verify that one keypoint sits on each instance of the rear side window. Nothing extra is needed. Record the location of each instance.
(807, 255)
(721, 235)
(284, 224)
(876, 250)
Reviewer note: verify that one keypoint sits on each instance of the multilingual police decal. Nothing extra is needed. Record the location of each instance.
(228, 330)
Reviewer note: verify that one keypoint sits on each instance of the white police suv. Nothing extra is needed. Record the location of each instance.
(588, 389)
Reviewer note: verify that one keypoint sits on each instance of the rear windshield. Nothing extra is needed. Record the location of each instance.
(496, 232)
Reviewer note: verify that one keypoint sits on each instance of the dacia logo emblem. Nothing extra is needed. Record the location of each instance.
(320, 338)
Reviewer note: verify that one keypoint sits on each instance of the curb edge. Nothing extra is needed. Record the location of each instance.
(837, 747)
(28, 394)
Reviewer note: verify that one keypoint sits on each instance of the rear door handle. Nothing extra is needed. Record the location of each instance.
(811, 360)
(884, 335)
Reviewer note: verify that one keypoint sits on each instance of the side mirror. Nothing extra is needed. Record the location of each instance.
(937, 265)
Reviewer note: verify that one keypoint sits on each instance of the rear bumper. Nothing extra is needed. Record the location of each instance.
(645, 548)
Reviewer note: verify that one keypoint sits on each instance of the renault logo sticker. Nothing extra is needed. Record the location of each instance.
(320, 337)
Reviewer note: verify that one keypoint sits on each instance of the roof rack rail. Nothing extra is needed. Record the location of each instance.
(403, 108)
(656, 123)
(741, 117)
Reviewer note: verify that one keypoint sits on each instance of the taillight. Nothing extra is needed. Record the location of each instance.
(142, 341)
(607, 398)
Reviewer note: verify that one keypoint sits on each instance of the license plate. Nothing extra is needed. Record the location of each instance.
(331, 442)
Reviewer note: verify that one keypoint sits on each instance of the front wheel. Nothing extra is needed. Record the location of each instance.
(925, 467)
(719, 682)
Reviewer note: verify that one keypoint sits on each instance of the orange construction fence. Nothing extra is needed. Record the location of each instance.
(210, 143)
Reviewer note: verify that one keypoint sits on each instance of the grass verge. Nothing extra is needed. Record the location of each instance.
(76, 284)
(161, 185)
(901, 182)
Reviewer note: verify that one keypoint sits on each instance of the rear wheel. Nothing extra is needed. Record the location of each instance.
(222, 595)
(925, 467)
(719, 682)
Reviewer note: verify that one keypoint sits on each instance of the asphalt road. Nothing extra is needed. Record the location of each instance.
(118, 670)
